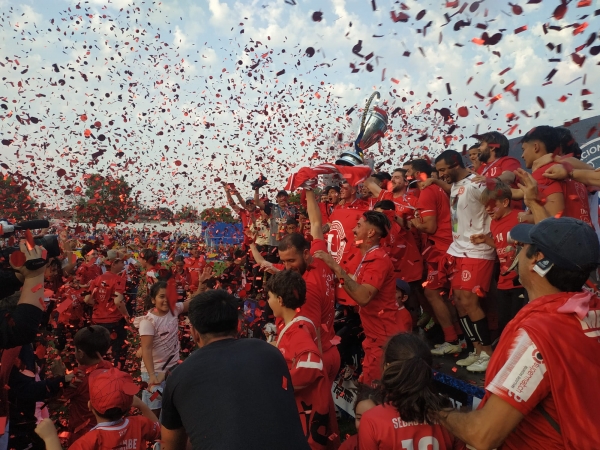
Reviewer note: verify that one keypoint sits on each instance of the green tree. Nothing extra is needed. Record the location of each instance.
(16, 201)
(187, 213)
(107, 199)
(222, 214)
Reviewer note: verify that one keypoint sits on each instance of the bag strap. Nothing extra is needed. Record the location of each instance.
(549, 418)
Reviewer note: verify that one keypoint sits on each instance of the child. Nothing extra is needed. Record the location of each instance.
(112, 394)
(402, 293)
(91, 344)
(511, 295)
(367, 398)
(296, 341)
(159, 332)
(406, 419)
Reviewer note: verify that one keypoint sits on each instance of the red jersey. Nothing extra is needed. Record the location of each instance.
(506, 252)
(81, 419)
(382, 428)
(87, 272)
(356, 204)
(195, 266)
(183, 281)
(381, 317)
(499, 166)
(311, 386)
(131, 432)
(70, 308)
(406, 204)
(549, 358)
(404, 253)
(351, 443)
(433, 201)
(574, 194)
(103, 290)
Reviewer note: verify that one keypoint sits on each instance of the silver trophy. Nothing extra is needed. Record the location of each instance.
(372, 128)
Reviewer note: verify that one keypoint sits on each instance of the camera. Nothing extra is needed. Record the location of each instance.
(259, 182)
(49, 242)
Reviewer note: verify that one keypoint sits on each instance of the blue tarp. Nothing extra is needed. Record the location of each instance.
(216, 233)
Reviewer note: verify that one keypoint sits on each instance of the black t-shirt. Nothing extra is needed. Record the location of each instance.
(234, 394)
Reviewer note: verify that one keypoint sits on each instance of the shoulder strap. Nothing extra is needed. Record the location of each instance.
(549, 418)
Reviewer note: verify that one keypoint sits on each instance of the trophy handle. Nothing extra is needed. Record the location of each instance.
(362, 123)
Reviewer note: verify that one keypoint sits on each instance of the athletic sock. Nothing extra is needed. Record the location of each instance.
(467, 326)
(450, 334)
(482, 332)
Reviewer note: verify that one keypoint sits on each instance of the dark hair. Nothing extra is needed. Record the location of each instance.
(382, 176)
(86, 249)
(379, 221)
(565, 280)
(546, 134)
(407, 379)
(451, 158)
(291, 221)
(499, 191)
(214, 312)
(149, 255)
(178, 258)
(112, 414)
(91, 340)
(474, 147)
(290, 286)
(294, 240)
(496, 140)
(420, 165)
(156, 287)
(568, 144)
(366, 392)
(386, 205)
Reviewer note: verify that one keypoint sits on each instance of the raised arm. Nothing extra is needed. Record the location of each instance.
(314, 215)
(230, 201)
(372, 186)
(257, 200)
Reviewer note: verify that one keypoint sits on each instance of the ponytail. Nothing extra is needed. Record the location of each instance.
(407, 380)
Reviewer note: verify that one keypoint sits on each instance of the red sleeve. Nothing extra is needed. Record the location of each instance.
(367, 438)
(85, 442)
(150, 429)
(426, 205)
(307, 368)
(318, 244)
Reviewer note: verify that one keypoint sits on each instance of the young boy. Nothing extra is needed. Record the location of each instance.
(511, 295)
(91, 344)
(402, 293)
(112, 394)
(298, 343)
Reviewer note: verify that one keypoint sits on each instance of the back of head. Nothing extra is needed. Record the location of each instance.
(379, 221)
(290, 286)
(293, 240)
(497, 141)
(407, 378)
(111, 392)
(420, 165)
(214, 312)
(385, 205)
(149, 255)
(568, 144)
(382, 176)
(451, 157)
(545, 134)
(92, 340)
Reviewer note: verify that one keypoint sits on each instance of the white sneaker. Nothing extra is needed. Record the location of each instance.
(446, 348)
(473, 357)
(481, 364)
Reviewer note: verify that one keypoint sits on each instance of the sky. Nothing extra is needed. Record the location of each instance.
(178, 95)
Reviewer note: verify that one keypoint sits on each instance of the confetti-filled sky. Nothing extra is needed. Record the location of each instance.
(174, 95)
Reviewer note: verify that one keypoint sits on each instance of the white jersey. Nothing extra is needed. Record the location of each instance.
(468, 217)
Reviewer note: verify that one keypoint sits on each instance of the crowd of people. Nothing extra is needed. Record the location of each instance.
(485, 263)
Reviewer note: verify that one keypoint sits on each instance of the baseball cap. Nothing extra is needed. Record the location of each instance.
(111, 256)
(250, 199)
(282, 193)
(403, 286)
(329, 188)
(111, 388)
(565, 242)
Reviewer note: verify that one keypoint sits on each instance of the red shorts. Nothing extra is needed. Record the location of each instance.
(470, 274)
(437, 277)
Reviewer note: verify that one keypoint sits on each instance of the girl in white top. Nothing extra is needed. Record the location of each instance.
(159, 331)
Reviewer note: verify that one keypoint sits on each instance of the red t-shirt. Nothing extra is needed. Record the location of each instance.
(381, 317)
(499, 166)
(351, 443)
(506, 252)
(404, 253)
(81, 419)
(103, 290)
(131, 432)
(574, 194)
(320, 295)
(433, 201)
(183, 281)
(382, 428)
(195, 266)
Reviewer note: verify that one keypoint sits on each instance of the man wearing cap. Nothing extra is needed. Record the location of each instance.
(542, 381)
(110, 311)
(278, 213)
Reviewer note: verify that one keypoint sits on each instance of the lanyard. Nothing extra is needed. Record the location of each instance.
(356, 273)
(485, 170)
